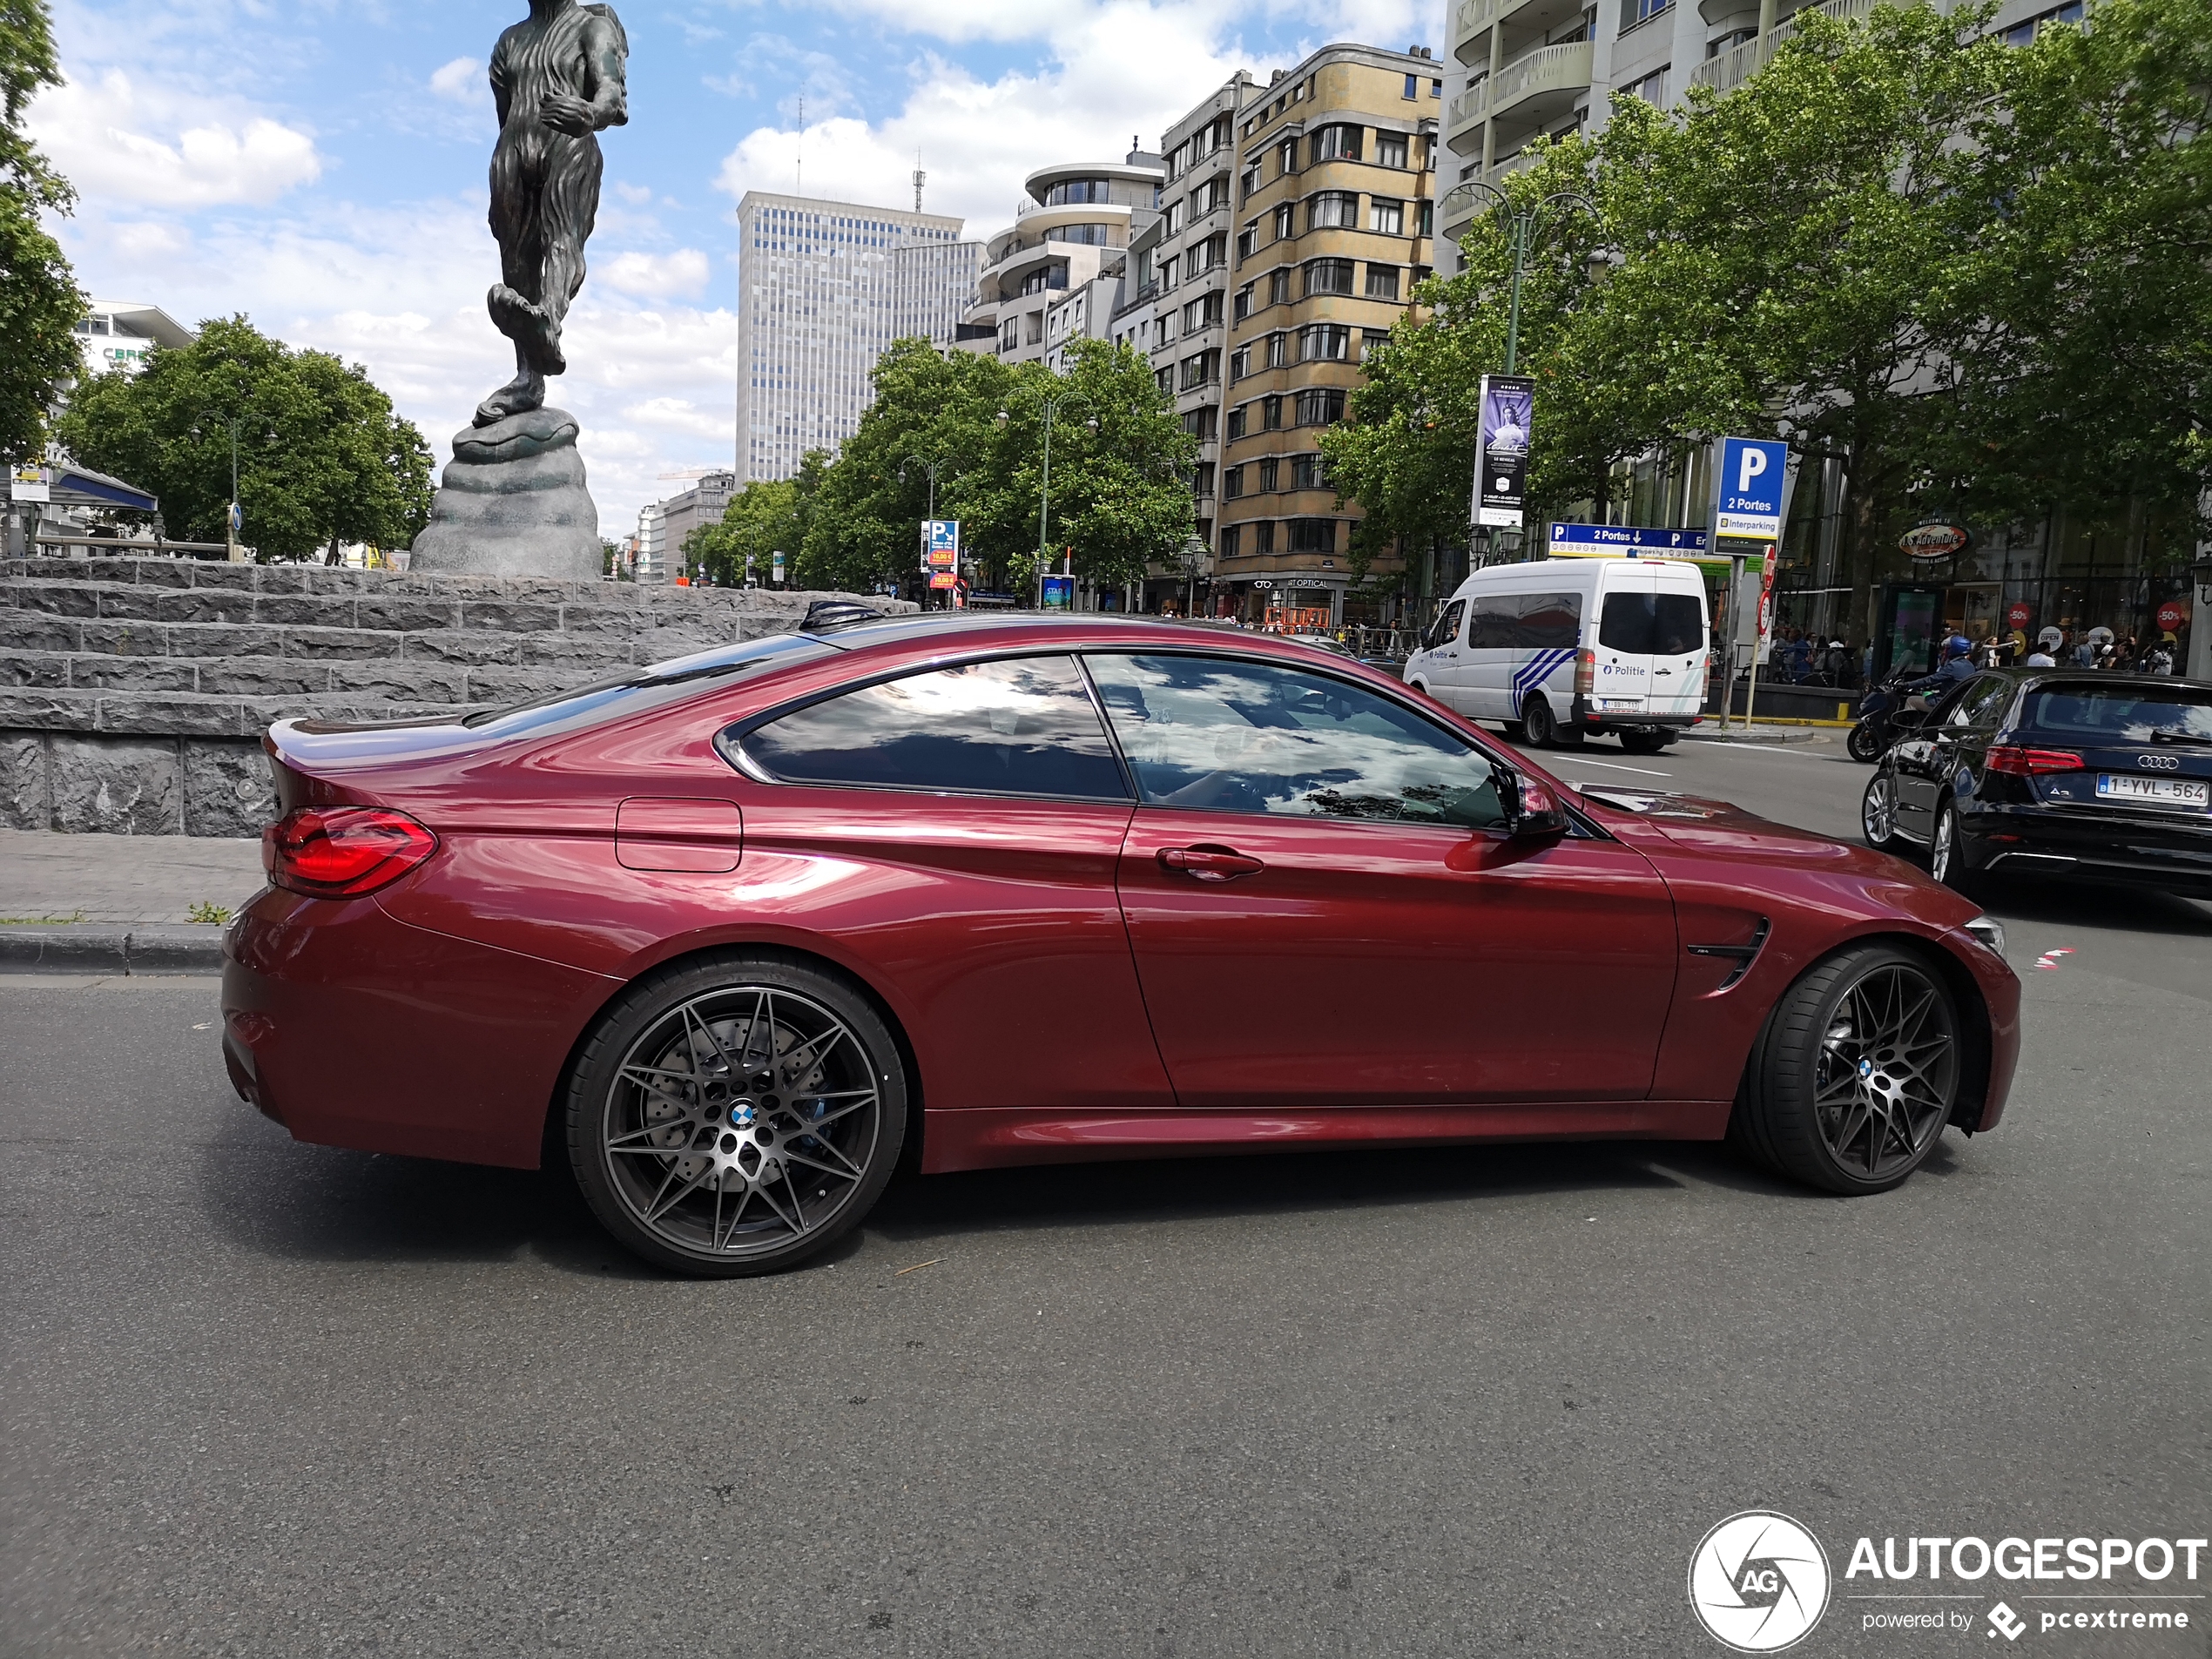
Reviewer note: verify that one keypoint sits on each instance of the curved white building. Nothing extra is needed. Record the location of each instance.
(1078, 219)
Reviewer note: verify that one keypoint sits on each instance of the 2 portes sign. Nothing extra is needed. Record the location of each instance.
(1753, 477)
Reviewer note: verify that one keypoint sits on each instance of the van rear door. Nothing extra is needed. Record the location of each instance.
(1650, 639)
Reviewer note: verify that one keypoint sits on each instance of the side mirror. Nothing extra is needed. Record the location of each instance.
(1534, 812)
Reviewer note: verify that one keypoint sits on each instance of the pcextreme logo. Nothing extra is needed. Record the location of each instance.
(1758, 1581)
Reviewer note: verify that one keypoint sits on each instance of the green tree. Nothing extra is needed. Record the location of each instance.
(760, 519)
(40, 303)
(321, 457)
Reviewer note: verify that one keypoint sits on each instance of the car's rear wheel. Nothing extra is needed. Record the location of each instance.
(1544, 729)
(1878, 813)
(1855, 1073)
(736, 1116)
(1947, 857)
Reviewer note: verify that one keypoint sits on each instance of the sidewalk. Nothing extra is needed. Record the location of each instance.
(131, 903)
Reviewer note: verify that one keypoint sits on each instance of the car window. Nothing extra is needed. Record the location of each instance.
(1445, 628)
(1652, 624)
(2085, 711)
(1980, 703)
(1015, 726)
(1526, 622)
(1228, 735)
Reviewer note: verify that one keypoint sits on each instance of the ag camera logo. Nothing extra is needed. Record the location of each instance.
(1758, 1581)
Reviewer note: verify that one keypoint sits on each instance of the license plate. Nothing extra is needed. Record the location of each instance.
(1619, 702)
(2154, 791)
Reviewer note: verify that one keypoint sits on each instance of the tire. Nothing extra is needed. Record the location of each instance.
(1544, 729)
(1878, 813)
(791, 1166)
(1855, 1073)
(1947, 853)
(1865, 745)
(1645, 743)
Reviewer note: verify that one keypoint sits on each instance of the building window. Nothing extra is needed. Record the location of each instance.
(1371, 340)
(1313, 536)
(1244, 307)
(1200, 424)
(1249, 180)
(1382, 282)
(1201, 312)
(1036, 328)
(1212, 194)
(1324, 343)
(1232, 483)
(1175, 218)
(1386, 218)
(1426, 227)
(1278, 351)
(1635, 11)
(1164, 379)
(1237, 423)
(1285, 222)
(1307, 473)
(1010, 335)
(1202, 482)
(1263, 537)
(1652, 88)
(1270, 414)
(1328, 276)
(1231, 535)
(1201, 368)
(1390, 147)
(1337, 143)
(1286, 157)
(1436, 87)
(1090, 235)
(1332, 209)
(1320, 405)
(1163, 332)
(1268, 473)
(1240, 364)
(1248, 240)
(1167, 273)
(1412, 86)
(1075, 191)
(1279, 288)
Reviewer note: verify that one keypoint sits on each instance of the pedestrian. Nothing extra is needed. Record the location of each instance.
(2158, 656)
(2041, 657)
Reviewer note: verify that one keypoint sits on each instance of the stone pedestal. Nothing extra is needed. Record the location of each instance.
(513, 503)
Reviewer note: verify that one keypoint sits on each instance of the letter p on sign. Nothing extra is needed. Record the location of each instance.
(1753, 463)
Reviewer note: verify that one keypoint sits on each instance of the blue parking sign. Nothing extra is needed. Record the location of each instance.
(1753, 475)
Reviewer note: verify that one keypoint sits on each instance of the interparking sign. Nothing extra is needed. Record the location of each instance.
(1754, 473)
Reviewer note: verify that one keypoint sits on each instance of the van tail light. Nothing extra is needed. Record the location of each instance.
(2030, 763)
(1585, 672)
(342, 851)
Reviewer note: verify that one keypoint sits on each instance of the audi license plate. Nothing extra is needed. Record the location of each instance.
(2154, 791)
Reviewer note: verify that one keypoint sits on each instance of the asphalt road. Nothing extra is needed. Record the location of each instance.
(260, 1398)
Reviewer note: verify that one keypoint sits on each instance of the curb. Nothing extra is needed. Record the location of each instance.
(111, 947)
(1760, 734)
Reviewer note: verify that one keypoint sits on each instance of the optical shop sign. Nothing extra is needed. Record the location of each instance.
(1760, 1582)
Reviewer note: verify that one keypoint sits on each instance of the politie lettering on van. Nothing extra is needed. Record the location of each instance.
(1559, 650)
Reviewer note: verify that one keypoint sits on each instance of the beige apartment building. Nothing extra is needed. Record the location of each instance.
(1334, 184)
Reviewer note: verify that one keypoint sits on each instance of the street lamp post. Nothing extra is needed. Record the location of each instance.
(1525, 220)
(231, 516)
(931, 469)
(1051, 404)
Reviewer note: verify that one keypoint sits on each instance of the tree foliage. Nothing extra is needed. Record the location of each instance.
(762, 519)
(321, 457)
(1973, 272)
(40, 303)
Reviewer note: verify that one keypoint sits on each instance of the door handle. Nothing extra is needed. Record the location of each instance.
(1208, 863)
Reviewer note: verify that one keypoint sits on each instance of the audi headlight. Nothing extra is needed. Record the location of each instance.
(1991, 933)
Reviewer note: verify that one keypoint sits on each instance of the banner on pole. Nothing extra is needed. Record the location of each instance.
(1501, 451)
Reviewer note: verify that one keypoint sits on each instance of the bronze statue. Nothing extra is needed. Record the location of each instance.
(557, 79)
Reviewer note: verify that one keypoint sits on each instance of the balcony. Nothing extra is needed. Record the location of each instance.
(1534, 87)
(1730, 70)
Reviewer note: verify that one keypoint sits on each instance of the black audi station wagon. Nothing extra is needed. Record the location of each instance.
(2054, 771)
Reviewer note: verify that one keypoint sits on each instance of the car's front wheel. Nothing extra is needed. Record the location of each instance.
(1878, 813)
(1858, 1071)
(735, 1114)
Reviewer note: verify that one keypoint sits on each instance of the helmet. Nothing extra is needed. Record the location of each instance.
(1957, 645)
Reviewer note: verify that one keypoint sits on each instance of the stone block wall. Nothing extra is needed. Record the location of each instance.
(133, 692)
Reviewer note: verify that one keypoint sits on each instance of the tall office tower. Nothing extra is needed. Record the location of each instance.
(823, 287)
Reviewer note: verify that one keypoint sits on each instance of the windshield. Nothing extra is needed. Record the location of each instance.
(2088, 712)
(643, 688)
(1652, 624)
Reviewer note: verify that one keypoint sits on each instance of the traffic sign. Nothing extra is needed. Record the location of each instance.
(1632, 539)
(941, 534)
(1753, 474)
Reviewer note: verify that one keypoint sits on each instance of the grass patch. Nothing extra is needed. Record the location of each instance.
(213, 914)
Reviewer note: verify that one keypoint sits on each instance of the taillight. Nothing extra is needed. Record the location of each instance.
(1585, 672)
(2025, 762)
(342, 851)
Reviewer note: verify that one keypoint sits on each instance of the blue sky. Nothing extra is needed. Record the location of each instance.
(320, 167)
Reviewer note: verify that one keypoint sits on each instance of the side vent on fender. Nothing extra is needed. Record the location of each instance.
(1743, 956)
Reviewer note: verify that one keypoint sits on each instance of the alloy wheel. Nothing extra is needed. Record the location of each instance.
(1887, 1070)
(1878, 811)
(1945, 848)
(741, 1120)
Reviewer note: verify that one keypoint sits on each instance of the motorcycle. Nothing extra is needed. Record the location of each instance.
(1876, 728)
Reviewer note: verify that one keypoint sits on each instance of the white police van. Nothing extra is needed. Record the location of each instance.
(1559, 649)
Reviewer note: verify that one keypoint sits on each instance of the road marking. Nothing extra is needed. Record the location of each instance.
(1613, 767)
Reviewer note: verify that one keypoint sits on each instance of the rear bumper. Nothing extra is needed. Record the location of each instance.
(1590, 718)
(351, 1029)
(2132, 849)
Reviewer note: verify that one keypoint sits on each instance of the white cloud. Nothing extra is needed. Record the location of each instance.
(458, 80)
(653, 275)
(131, 140)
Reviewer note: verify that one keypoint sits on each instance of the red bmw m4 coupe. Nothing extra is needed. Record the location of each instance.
(737, 934)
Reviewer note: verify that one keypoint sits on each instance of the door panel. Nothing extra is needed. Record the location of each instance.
(1380, 963)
